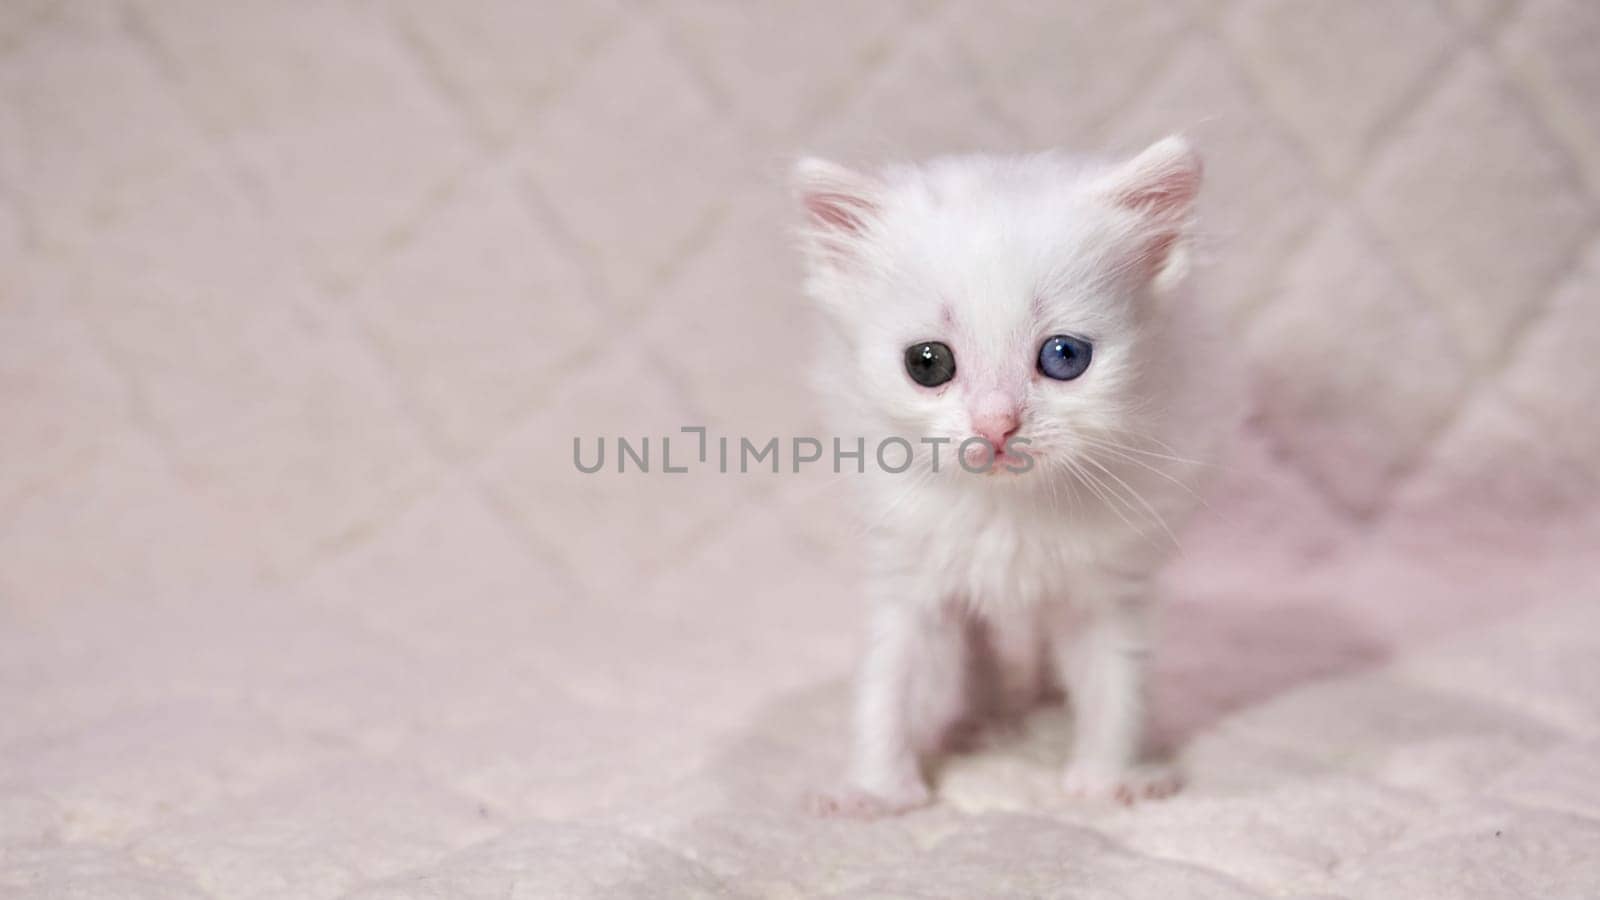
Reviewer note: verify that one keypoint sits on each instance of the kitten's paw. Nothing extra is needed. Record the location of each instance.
(857, 803)
(1126, 786)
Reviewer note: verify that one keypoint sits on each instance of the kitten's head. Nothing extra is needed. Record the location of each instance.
(1001, 298)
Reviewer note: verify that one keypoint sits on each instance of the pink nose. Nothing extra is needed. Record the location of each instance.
(994, 418)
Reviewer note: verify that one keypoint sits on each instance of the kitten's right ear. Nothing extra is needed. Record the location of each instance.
(1159, 187)
(840, 207)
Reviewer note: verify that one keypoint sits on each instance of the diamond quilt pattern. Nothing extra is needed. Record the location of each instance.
(302, 305)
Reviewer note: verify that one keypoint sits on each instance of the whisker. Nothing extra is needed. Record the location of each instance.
(1117, 451)
(1139, 497)
(1171, 454)
(1150, 453)
(1055, 495)
(1104, 492)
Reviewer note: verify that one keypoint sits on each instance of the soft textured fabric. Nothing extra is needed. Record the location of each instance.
(301, 308)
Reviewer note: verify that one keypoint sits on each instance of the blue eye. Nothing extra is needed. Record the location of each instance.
(1064, 357)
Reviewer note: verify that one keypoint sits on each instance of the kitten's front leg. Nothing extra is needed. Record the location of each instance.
(911, 689)
(1104, 669)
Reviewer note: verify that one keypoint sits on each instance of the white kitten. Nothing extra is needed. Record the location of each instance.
(1038, 303)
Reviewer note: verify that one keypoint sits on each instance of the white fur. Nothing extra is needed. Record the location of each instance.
(993, 255)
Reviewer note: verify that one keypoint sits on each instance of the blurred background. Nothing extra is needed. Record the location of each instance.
(301, 306)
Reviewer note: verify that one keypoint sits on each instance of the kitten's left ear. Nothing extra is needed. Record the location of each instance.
(1159, 186)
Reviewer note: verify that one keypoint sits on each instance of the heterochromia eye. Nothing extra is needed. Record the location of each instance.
(930, 363)
(1064, 357)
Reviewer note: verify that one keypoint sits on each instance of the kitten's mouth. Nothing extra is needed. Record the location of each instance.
(1009, 464)
(983, 461)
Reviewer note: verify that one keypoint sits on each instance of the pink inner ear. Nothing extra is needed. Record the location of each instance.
(1148, 253)
(1167, 195)
(1164, 191)
(844, 212)
(1160, 185)
(1162, 182)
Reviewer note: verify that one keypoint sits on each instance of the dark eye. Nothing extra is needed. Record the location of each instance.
(930, 363)
(1064, 357)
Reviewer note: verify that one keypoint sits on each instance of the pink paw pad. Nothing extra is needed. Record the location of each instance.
(854, 803)
(1127, 786)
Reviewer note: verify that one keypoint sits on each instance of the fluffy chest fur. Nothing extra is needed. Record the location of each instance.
(995, 548)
